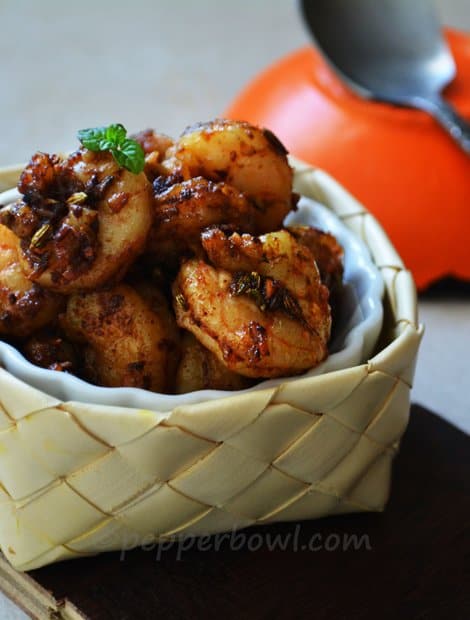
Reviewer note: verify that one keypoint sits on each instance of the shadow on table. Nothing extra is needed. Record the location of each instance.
(447, 288)
(410, 563)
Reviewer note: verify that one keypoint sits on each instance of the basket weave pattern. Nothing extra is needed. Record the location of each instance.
(77, 478)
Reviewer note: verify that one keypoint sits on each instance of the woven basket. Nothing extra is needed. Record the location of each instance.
(77, 479)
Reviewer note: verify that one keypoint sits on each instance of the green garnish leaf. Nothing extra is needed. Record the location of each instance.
(116, 133)
(130, 155)
(127, 152)
(92, 138)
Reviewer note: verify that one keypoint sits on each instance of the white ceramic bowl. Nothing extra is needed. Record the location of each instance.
(355, 334)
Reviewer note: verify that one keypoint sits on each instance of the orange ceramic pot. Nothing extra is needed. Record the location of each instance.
(396, 161)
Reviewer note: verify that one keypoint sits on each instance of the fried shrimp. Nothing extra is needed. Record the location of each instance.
(251, 159)
(260, 307)
(24, 305)
(199, 369)
(326, 250)
(184, 209)
(128, 337)
(81, 221)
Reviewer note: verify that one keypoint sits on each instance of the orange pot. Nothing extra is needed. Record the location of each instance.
(396, 161)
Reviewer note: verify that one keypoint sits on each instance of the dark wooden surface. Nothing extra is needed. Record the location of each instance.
(417, 567)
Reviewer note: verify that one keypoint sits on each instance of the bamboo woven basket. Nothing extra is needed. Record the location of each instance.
(77, 479)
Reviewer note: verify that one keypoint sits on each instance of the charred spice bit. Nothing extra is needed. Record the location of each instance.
(118, 201)
(249, 284)
(40, 236)
(258, 336)
(267, 293)
(136, 366)
(77, 198)
(95, 189)
(163, 183)
(181, 301)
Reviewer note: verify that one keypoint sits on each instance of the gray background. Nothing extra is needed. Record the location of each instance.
(166, 64)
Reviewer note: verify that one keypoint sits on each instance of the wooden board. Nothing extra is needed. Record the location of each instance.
(415, 567)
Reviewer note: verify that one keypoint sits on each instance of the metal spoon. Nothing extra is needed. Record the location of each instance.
(389, 50)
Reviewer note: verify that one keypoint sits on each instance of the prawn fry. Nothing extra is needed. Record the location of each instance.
(249, 158)
(127, 341)
(252, 341)
(82, 220)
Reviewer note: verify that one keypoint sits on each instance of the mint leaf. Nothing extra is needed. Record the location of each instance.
(106, 145)
(116, 133)
(92, 138)
(127, 153)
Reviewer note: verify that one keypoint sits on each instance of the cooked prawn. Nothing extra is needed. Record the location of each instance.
(24, 305)
(260, 307)
(184, 209)
(82, 220)
(199, 369)
(251, 159)
(129, 338)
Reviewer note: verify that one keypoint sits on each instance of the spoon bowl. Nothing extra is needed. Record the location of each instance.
(392, 51)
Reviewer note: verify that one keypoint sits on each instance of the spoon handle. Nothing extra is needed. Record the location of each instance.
(447, 117)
